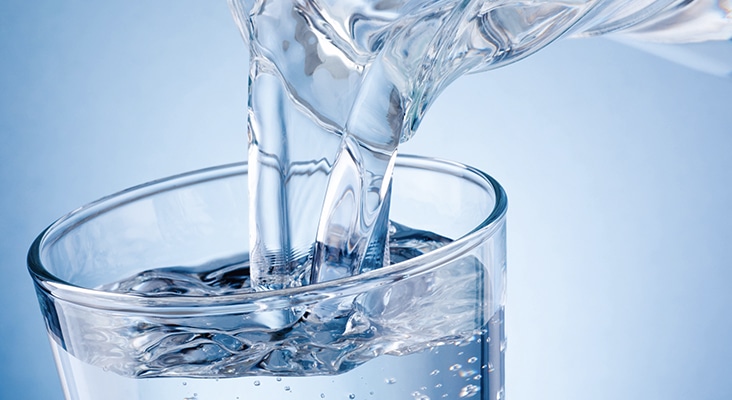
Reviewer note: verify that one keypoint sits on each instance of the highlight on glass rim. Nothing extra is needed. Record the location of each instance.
(327, 265)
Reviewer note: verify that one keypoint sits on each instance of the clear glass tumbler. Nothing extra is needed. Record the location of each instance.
(145, 296)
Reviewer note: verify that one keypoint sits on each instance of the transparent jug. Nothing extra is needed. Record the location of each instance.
(336, 85)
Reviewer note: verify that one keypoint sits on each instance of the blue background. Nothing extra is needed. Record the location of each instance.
(618, 167)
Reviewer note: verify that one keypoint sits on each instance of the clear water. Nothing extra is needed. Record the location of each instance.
(327, 337)
(423, 337)
(336, 85)
(235, 277)
(469, 368)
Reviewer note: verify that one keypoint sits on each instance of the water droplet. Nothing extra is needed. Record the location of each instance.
(455, 367)
(472, 360)
(287, 388)
(351, 396)
(185, 383)
(439, 385)
(469, 391)
(500, 395)
(322, 395)
(503, 345)
(435, 372)
(477, 377)
(257, 383)
(491, 368)
(390, 381)
(279, 379)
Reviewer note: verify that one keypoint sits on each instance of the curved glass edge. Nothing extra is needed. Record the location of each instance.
(245, 302)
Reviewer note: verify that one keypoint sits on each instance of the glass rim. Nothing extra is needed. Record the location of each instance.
(275, 299)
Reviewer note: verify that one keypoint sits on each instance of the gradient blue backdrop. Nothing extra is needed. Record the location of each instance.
(618, 167)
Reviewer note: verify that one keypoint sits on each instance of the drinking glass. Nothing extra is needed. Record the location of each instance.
(144, 295)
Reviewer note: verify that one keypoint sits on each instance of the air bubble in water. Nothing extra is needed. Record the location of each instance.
(390, 381)
(322, 395)
(257, 383)
(420, 396)
(351, 396)
(455, 367)
(467, 373)
(472, 360)
(469, 391)
(435, 372)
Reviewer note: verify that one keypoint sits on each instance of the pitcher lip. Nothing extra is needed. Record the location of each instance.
(273, 299)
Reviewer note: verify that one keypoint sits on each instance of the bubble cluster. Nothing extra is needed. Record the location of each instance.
(469, 391)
